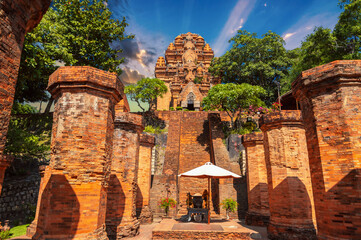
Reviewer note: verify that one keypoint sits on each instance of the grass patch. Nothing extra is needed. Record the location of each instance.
(18, 231)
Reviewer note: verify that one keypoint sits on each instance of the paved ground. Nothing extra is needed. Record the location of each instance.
(146, 230)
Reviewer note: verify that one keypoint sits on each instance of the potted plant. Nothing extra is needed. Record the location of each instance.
(230, 205)
(167, 203)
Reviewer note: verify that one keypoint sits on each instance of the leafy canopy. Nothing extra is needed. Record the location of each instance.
(147, 90)
(233, 98)
(72, 33)
(324, 45)
(257, 61)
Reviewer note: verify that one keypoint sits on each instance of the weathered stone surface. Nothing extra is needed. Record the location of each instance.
(144, 178)
(258, 206)
(189, 57)
(289, 180)
(73, 191)
(330, 97)
(121, 218)
(16, 18)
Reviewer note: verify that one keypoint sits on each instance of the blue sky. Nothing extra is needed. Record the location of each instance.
(156, 23)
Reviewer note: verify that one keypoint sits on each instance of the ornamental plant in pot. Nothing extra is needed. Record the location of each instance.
(167, 203)
(230, 205)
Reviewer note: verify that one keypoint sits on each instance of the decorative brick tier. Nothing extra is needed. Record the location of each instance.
(73, 192)
(121, 203)
(289, 181)
(330, 97)
(17, 18)
(144, 178)
(258, 213)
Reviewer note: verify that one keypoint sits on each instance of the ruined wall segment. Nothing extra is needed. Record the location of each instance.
(73, 199)
(330, 97)
(258, 213)
(144, 178)
(289, 180)
(17, 18)
(121, 218)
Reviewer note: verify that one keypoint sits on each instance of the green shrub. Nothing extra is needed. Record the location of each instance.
(179, 108)
(229, 204)
(171, 108)
(4, 234)
(154, 130)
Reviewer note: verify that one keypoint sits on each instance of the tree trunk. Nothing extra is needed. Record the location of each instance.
(47, 109)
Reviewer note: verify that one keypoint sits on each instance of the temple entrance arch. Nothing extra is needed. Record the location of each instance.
(190, 101)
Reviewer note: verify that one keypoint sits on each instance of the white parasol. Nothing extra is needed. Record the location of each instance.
(209, 170)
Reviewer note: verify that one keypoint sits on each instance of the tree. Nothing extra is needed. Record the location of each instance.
(233, 98)
(147, 90)
(72, 33)
(257, 61)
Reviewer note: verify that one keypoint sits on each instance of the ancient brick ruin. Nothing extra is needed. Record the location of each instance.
(17, 18)
(184, 70)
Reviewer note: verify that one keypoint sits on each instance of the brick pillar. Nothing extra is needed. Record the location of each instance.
(330, 97)
(31, 230)
(258, 213)
(4, 163)
(17, 17)
(289, 181)
(144, 177)
(73, 202)
(121, 204)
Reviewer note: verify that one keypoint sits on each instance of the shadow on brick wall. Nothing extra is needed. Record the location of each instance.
(139, 204)
(59, 209)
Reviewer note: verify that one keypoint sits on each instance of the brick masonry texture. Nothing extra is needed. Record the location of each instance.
(193, 139)
(147, 142)
(121, 218)
(289, 180)
(73, 191)
(258, 206)
(330, 97)
(17, 18)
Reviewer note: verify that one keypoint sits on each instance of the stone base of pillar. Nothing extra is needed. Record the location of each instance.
(286, 232)
(31, 230)
(125, 229)
(146, 215)
(99, 234)
(255, 219)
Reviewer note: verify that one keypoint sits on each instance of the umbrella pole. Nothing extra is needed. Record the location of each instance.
(209, 200)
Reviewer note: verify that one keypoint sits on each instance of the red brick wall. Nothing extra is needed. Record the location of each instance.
(17, 18)
(73, 202)
(258, 206)
(121, 199)
(144, 176)
(289, 181)
(330, 97)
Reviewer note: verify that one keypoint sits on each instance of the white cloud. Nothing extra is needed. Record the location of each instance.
(265, 5)
(297, 33)
(235, 21)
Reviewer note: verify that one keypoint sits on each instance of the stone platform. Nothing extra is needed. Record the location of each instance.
(218, 229)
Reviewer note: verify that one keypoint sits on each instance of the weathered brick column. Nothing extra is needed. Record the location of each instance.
(17, 17)
(144, 177)
(4, 163)
(121, 204)
(258, 213)
(73, 201)
(330, 97)
(288, 174)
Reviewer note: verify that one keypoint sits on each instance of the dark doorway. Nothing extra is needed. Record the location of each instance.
(190, 106)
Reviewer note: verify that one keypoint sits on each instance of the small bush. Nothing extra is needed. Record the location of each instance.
(4, 234)
(154, 130)
(179, 108)
(171, 108)
(229, 204)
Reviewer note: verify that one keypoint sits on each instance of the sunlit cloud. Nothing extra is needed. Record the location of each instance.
(235, 21)
(298, 32)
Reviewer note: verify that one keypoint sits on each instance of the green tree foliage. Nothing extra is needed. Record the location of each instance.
(324, 45)
(74, 33)
(147, 90)
(257, 61)
(233, 98)
(29, 133)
